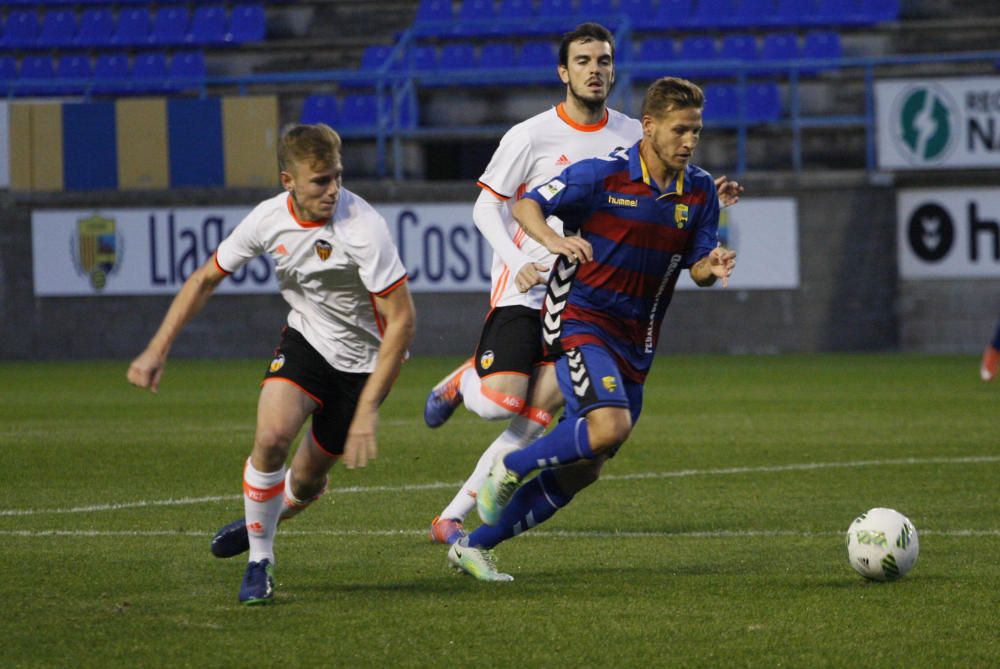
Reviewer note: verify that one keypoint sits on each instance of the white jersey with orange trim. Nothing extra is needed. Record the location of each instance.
(328, 272)
(532, 153)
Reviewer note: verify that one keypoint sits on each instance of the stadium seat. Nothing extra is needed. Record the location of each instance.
(497, 54)
(208, 25)
(359, 111)
(714, 14)
(537, 54)
(132, 28)
(38, 72)
(8, 73)
(669, 15)
(823, 44)
(434, 18)
(793, 13)
(77, 70)
(698, 50)
(112, 73)
(97, 27)
(458, 56)
(882, 11)
(188, 66)
(601, 11)
(779, 46)
(515, 17)
(763, 102)
(755, 13)
(742, 47)
(637, 11)
(423, 57)
(555, 16)
(321, 109)
(150, 73)
(476, 18)
(374, 56)
(21, 30)
(58, 28)
(721, 104)
(247, 24)
(170, 26)
(656, 50)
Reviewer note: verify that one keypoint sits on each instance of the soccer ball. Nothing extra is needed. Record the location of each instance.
(882, 544)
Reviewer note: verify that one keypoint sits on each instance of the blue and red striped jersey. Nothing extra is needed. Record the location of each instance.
(642, 237)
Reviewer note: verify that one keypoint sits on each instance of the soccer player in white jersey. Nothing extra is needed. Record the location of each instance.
(507, 378)
(350, 323)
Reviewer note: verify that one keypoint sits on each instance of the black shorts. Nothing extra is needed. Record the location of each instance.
(336, 392)
(511, 342)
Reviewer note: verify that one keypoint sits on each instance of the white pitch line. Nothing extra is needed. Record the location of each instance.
(552, 534)
(437, 485)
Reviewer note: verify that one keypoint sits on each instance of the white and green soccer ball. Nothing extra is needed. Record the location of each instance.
(882, 544)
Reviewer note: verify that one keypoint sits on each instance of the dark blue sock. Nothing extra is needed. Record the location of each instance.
(995, 343)
(566, 443)
(533, 503)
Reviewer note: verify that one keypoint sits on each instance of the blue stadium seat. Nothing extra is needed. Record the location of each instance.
(601, 11)
(637, 11)
(669, 15)
(189, 66)
(58, 28)
(320, 108)
(97, 27)
(555, 16)
(779, 46)
(434, 18)
(714, 14)
(755, 13)
(515, 17)
(537, 54)
(112, 73)
(8, 73)
(458, 56)
(497, 54)
(132, 28)
(21, 31)
(359, 111)
(698, 49)
(373, 57)
(721, 104)
(247, 24)
(793, 13)
(822, 44)
(38, 72)
(208, 25)
(170, 26)
(742, 47)
(882, 11)
(150, 73)
(75, 68)
(423, 57)
(654, 50)
(763, 102)
(476, 18)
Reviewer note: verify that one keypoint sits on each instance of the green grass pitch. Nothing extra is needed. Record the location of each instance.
(716, 538)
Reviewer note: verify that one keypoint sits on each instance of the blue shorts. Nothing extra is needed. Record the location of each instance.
(589, 379)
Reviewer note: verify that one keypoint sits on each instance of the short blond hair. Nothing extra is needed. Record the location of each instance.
(667, 94)
(316, 145)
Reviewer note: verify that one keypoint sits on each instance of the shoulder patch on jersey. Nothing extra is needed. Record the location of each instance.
(551, 189)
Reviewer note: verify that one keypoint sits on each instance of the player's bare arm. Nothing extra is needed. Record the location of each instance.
(147, 369)
(718, 264)
(398, 311)
(528, 215)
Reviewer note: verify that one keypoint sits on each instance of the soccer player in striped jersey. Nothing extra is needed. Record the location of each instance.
(633, 220)
(350, 323)
(507, 378)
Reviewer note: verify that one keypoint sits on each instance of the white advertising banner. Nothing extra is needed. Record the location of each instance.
(938, 123)
(948, 234)
(152, 251)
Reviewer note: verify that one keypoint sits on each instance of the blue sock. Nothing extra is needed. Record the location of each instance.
(533, 503)
(568, 442)
(995, 343)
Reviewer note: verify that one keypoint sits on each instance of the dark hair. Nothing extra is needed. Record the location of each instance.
(585, 32)
(317, 146)
(669, 93)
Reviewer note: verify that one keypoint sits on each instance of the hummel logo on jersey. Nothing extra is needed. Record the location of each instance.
(282, 251)
(555, 299)
(323, 249)
(577, 373)
(563, 160)
(622, 201)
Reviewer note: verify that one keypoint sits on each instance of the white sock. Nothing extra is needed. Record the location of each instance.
(293, 506)
(262, 503)
(521, 432)
(485, 402)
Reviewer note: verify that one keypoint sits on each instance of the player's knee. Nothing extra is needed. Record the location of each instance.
(608, 430)
(577, 476)
(273, 442)
(499, 411)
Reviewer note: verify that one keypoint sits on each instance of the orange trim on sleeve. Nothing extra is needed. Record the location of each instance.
(393, 286)
(215, 257)
(582, 127)
(379, 321)
(500, 287)
(495, 194)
